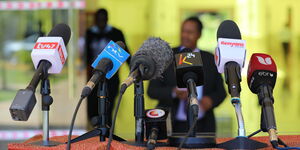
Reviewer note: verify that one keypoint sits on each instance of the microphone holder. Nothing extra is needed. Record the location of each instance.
(47, 100)
(233, 79)
(139, 114)
(139, 111)
(102, 129)
(193, 109)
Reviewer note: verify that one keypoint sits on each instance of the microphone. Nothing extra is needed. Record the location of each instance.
(189, 74)
(49, 56)
(149, 62)
(156, 128)
(230, 58)
(230, 55)
(106, 64)
(261, 78)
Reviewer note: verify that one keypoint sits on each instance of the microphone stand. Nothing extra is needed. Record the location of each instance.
(233, 79)
(267, 123)
(102, 130)
(47, 100)
(139, 111)
(139, 114)
(193, 141)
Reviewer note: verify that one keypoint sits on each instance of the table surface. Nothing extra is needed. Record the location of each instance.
(93, 143)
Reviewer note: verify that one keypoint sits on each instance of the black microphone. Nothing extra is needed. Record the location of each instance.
(156, 128)
(149, 62)
(262, 73)
(230, 55)
(103, 67)
(189, 73)
(49, 61)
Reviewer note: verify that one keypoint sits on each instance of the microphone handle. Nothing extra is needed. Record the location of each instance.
(263, 124)
(42, 68)
(266, 100)
(152, 140)
(97, 76)
(193, 105)
(233, 78)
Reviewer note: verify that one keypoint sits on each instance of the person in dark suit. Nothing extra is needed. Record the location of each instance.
(210, 95)
(97, 37)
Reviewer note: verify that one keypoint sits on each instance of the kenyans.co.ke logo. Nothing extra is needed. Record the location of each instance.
(233, 44)
(183, 60)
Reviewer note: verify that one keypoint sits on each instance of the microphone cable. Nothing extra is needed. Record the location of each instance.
(189, 132)
(73, 121)
(114, 121)
(275, 143)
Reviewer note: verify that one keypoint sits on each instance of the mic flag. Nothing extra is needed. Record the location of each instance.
(188, 62)
(116, 54)
(230, 50)
(52, 48)
(261, 70)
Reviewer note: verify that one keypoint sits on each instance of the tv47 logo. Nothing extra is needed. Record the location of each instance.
(46, 45)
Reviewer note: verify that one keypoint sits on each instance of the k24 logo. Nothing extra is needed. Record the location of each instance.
(264, 61)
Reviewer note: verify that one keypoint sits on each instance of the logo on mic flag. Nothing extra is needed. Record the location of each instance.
(264, 61)
(155, 113)
(46, 45)
(183, 60)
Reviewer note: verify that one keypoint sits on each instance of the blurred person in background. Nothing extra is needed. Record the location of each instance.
(97, 37)
(210, 95)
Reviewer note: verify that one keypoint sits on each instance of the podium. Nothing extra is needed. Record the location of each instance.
(93, 143)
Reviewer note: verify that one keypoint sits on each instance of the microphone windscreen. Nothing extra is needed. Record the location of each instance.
(61, 30)
(157, 51)
(228, 29)
(261, 70)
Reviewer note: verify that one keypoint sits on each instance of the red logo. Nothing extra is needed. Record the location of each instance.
(46, 45)
(216, 57)
(155, 113)
(61, 55)
(235, 44)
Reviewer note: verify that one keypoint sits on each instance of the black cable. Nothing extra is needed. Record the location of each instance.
(254, 133)
(189, 132)
(276, 143)
(114, 122)
(282, 143)
(72, 123)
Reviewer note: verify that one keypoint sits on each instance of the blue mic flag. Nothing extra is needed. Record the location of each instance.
(116, 54)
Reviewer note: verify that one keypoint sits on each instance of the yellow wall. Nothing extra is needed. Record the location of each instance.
(260, 22)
